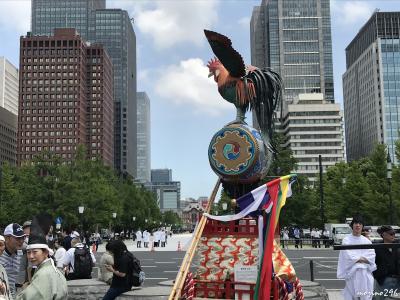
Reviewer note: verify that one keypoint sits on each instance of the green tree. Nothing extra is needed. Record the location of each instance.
(50, 184)
(283, 162)
(171, 217)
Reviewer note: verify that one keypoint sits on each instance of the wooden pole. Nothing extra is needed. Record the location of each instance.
(187, 261)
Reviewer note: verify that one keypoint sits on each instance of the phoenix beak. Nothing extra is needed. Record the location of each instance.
(210, 74)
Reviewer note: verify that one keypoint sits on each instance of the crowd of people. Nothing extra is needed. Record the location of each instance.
(158, 238)
(316, 236)
(35, 264)
(31, 269)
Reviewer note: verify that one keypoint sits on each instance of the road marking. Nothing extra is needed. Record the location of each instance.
(334, 290)
(327, 272)
(160, 278)
(328, 261)
(146, 259)
(148, 266)
(327, 279)
(317, 257)
(328, 267)
(165, 262)
(171, 271)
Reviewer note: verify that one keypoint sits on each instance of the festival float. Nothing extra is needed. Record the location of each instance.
(237, 255)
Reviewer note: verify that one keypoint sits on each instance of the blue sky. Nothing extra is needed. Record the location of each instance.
(172, 53)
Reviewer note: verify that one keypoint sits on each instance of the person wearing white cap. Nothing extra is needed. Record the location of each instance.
(47, 282)
(4, 287)
(11, 257)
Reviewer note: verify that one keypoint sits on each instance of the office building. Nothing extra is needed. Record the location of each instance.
(65, 97)
(293, 37)
(371, 90)
(168, 192)
(8, 86)
(113, 29)
(161, 175)
(143, 138)
(50, 14)
(313, 126)
(8, 137)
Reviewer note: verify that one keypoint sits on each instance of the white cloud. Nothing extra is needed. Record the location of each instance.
(244, 22)
(143, 75)
(187, 84)
(132, 7)
(15, 15)
(351, 12)
(172, 22)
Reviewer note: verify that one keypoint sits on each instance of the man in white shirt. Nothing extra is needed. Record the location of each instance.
(139, 239)
(317, 236)
(69, 260)
(356, 266)
(146, 238)
(312, 234)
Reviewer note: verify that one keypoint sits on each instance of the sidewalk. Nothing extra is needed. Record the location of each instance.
(172, 244)
(306, 247)
(335, 295)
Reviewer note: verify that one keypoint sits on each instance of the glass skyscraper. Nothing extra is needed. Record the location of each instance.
(293, 37)
(371, 89)
(113, 29)
(50, 14)
(143, 127)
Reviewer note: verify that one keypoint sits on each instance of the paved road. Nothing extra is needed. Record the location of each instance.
(158, 266)
(325, 265)
(161, 264)
(164, 265)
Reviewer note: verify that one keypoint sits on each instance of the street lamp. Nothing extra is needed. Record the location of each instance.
(321, 192)
(80, 210)
(389, 178)
(224, 206)
(133, 219)
(114, 215)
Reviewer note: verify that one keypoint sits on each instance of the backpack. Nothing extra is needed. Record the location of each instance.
(137, 275)
(83, 263)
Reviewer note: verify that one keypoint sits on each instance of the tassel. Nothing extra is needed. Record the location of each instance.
(299, 290)
(283, 292)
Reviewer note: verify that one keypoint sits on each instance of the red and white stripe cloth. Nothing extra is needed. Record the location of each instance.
(299, 290)
(283, 292)
(188, 287)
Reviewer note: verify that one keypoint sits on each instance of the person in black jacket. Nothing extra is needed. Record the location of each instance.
(387, 273)
(122, 274)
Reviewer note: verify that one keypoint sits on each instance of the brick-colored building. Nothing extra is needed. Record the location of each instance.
(65, 97)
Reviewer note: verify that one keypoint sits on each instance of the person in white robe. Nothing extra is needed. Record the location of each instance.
(162, 238)
(356, 266)
(146, 238)
(139, 239)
